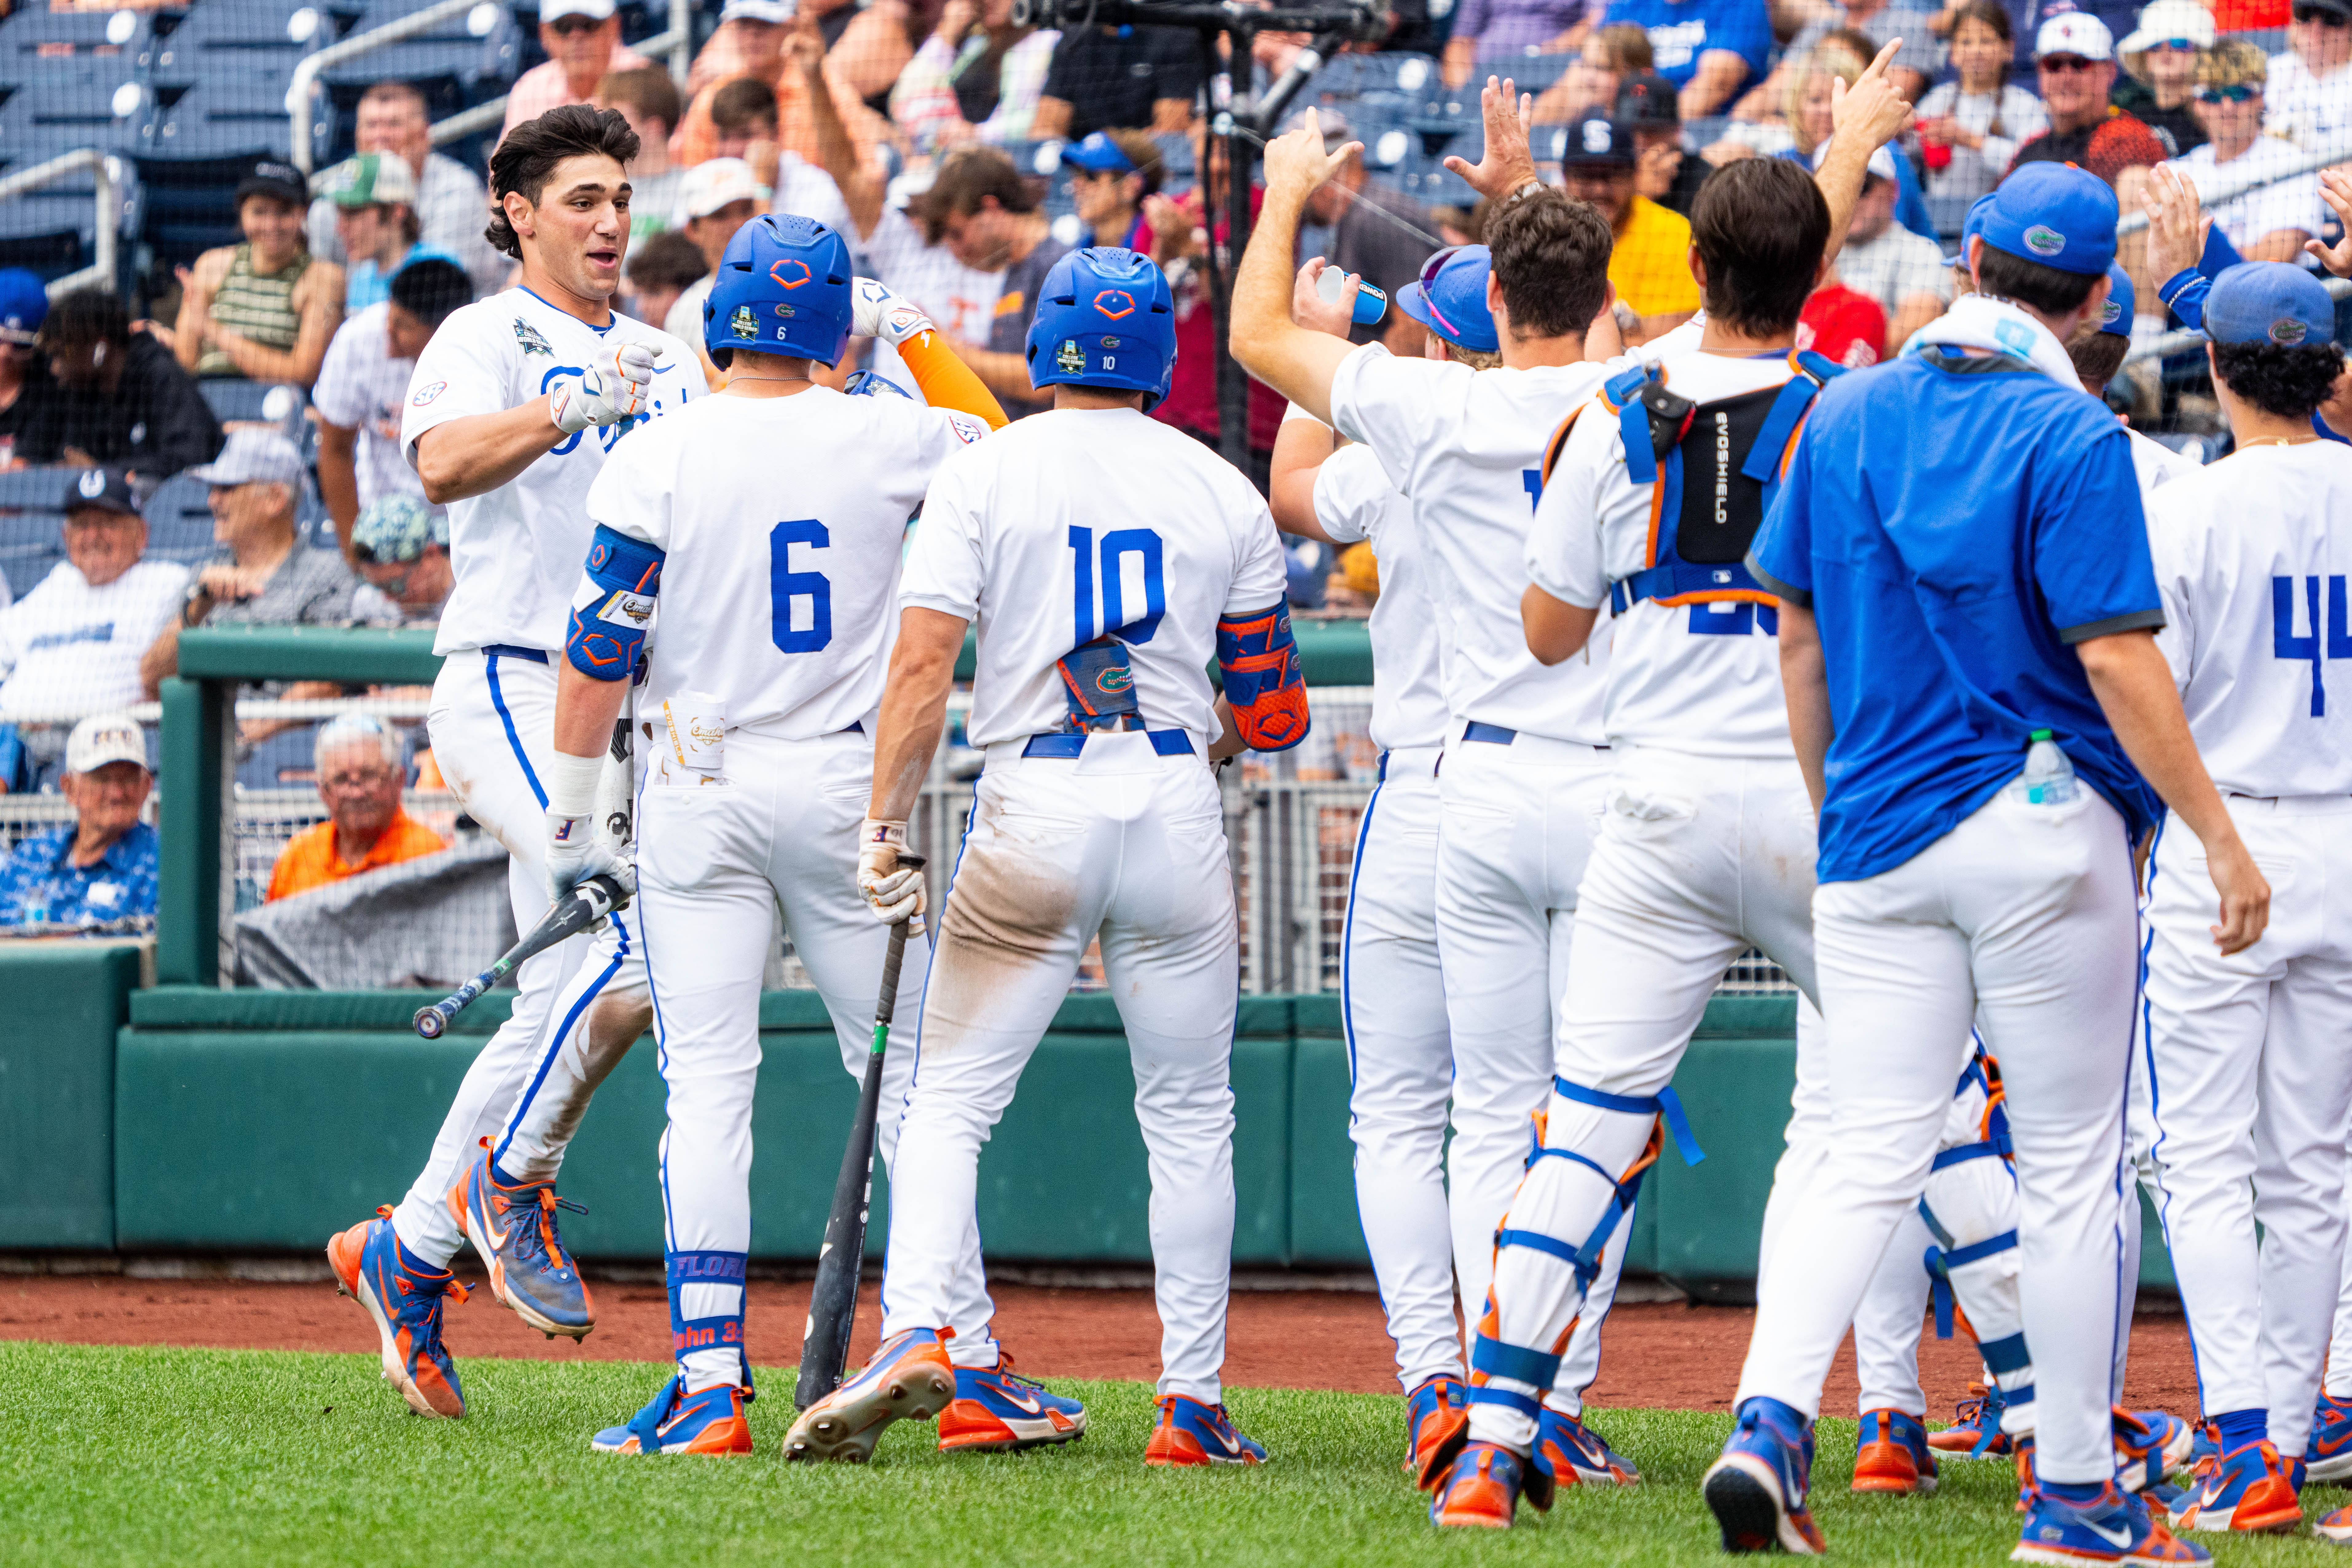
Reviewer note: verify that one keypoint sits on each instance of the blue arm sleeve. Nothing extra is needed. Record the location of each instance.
(615, 606)
(1264, 685)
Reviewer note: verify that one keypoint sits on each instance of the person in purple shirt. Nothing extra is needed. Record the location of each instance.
(1499, 30)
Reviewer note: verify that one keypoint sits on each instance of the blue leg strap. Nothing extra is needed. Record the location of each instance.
(1961, 1153)
(647, 1423)
(1520, 1363)
(1665, 1103)
(2007, 1354)
(1532, 1409)
(1939, 1291)
(1978, 1251)
(1927, 1215)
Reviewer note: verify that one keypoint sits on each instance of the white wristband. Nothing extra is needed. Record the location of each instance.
(570, 784)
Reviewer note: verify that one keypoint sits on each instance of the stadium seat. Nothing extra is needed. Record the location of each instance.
(225, 40)
(180, 522)
(1351, 76)
(32, 527)
(93, 101)
(33, 40)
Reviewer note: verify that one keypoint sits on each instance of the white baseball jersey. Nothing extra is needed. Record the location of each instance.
(2156, 464)
(1467, 448)
(517, 549)
(361, 387)
(1011, 539)
(786, 612)
(2255, 620)
(1354, 500)
(1689, 677)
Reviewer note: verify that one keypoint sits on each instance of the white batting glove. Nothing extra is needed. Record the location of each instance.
(576, 851)
(877, 312)
(613, 389)
(894, 894)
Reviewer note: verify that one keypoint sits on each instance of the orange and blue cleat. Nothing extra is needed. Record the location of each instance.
(2150, 1445)
(2115, 1526)
(2330, 1453)
(1192, 1433)
(403, 1294)
(2250, 1488)
(2335, 1527)
(709, 1421)
(1756, 1489)
(1434, 1405)
(1569, 1453)
(910, 1379)
(995, 1410)
(1891, 1453)
(1481, 1490)
(1975, 1432)
(513, 1227)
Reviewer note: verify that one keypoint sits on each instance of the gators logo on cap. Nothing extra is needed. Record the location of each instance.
(2044, 240)
(1115, 303)
(2109, 312)
(799, 274)
(1071, 358)
(743, 323)
(2286, 331)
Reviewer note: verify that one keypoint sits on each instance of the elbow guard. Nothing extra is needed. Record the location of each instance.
(615, 606)
(1264, 685)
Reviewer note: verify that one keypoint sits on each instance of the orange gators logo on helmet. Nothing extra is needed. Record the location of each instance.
(1115, 303)
(786, 281)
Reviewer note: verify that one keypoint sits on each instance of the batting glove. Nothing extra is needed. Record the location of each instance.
(895, 894)
(614, 389)
(877, 312)
(576, 851)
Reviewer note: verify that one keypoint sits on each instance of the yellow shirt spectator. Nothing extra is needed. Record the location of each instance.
(1650, 264)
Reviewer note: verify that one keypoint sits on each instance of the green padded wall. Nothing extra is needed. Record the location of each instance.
(66, 1000)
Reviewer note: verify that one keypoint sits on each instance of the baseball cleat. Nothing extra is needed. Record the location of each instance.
(1756, 1489)
(403, 1296)
(2149, 1446)
(1192, 1433)
(2330, 1453)
(1892, 1454)
(710, 1422)
(910, 1379)
(513, 1229)
(2022, 1450)
(1481, 1490)
(2114, 1527)
(1569, 1453)
(2248, 1488)
(995, 1409)
(1975, 1432)
(1426, 1411)
(2335, 1527)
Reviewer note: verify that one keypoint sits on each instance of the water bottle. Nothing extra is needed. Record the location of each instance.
(2048, 778)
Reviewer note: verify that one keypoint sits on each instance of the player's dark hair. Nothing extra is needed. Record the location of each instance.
(968, 176)
(2032, 285)
(87, 316)
(743, 103)
(430, 289)
(1760, 226)
(1551, 262)
(527, 159)
(2288, 382)
(2097, 355)
(668, 260)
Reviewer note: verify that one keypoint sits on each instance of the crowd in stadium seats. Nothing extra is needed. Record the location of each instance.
(961, 153)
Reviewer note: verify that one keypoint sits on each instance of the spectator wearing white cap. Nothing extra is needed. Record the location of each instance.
(98, 871)
(450, 197)
(363, 389)
(268, 575)
(718, 198)
(2159, 61)
(73, 643)
(2311, 83)
(582, 40)
(401, 546)
(2074, 59)
(360, 774)
(374, 196)
(1904, 272)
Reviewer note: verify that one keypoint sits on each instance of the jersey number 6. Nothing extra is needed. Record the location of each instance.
(788, 589)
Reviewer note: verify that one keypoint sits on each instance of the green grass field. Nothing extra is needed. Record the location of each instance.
(188, 1457)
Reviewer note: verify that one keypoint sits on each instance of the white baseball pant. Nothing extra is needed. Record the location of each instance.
(492, 723)
(1127, 844)
(2024, 916)
(2140, 1175)
(715, 865)
(2250, 1085)
(1697, 859)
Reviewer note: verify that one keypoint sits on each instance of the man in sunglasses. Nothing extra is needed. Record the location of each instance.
(2271, 221)
(2311, 84)
(582, 40)
(2075, 55)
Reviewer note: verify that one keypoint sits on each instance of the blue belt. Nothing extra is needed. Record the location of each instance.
(508, 650)
(1493, 734)
(1068, 743)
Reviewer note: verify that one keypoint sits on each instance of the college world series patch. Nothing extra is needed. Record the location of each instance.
(527, 336)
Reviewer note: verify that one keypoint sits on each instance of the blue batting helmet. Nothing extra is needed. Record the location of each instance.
(1104, 319)
(782, 288)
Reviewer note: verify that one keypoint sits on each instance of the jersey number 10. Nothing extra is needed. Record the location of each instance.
(1116, 545)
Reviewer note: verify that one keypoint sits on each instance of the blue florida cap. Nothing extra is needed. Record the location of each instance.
(24, 306)
(1449, 297)
(2055, 214)
(2116, 313)
(2269, 302)
(1099, 153)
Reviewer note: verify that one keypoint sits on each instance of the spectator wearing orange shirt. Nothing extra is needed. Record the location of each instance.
(751, 40)
(360, 776)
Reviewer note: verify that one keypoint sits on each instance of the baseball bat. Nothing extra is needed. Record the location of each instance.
(589, 902)
(833, 1299)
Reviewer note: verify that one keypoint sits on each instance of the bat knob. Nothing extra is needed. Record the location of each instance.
(911, 862)
(429, 1023)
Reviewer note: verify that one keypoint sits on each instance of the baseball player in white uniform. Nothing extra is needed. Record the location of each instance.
(2250, 1085)
(1976, 700)
(516, 402)
(1103, 558)
(762, 680)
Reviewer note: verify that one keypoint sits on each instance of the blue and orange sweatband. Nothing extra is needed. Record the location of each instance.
(1264, 684)
(615, 607)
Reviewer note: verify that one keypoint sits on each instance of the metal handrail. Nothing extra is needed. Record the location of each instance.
(307, 74)
(110, 217)
(674, 42)
(2227, 189)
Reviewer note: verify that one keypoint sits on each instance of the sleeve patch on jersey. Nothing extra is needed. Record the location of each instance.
(967, 429)
(426, 395)
(1263, 683)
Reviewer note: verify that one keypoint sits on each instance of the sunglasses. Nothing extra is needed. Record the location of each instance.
(2176, 45)
(571, 26)
(2324, 18)
(1428, 281)
(2067, 65)
(2237, 94)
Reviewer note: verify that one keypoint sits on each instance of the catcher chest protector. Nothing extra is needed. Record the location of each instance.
(1713, 469)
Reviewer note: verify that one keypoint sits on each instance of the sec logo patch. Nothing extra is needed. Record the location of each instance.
(426, 395)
